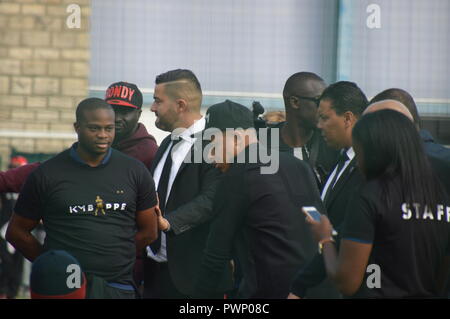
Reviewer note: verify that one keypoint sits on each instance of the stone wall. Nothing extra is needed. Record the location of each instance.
(44, 70)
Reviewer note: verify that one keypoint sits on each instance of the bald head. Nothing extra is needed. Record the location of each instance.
(301, 95)
(304, 84)
(389, 105)
(403, 97)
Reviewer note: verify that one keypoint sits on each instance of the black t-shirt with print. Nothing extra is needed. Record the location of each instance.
(409, 242)
(90, 211)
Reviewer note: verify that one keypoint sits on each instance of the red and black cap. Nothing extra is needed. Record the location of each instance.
(124, 94)
(57, 275)
(17, 161)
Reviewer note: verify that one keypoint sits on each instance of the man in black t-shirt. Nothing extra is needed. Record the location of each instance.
(91, 199)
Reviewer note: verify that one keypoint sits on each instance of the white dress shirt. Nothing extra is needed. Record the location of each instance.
(179, 153)
(298, 152)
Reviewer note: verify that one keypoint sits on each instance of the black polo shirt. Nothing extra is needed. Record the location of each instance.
(409, 241)
(90, 211)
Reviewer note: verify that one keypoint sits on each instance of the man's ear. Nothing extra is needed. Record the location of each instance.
(294, 102)
(349, 119)
(76, 126)
(181, 105)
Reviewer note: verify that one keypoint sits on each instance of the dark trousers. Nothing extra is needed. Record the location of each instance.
(158, 283)
(11, 269)
(98, 288)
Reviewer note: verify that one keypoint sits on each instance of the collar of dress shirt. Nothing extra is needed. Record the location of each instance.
(195, 128)
(350, 153)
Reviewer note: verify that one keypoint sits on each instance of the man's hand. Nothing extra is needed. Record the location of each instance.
(292, 296)
(163, 224)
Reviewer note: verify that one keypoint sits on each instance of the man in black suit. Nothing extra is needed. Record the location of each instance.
(185, 190)
(440, 164)
(341, 105)
(258, 219)
(434, 150)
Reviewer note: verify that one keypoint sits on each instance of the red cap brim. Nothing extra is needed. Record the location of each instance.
(122, 103)
(80, 293)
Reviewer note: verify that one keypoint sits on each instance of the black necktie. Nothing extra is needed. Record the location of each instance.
(163, 186)
(342, 159)
(305, 154)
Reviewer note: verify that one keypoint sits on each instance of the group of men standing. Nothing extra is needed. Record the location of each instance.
(200, 228)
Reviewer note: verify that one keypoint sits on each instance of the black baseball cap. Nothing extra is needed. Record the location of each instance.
(124, 94)
(228, 114)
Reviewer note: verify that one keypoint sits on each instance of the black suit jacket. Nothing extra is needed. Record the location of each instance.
(189, 212)
(341, 194)
(259, 222)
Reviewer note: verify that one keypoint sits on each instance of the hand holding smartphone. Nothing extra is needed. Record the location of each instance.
(311, 212)
(314, 214)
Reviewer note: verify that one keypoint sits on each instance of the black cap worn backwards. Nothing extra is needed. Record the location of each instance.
(228, 114)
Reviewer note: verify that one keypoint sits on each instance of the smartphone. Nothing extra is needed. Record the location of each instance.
(312, 212)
